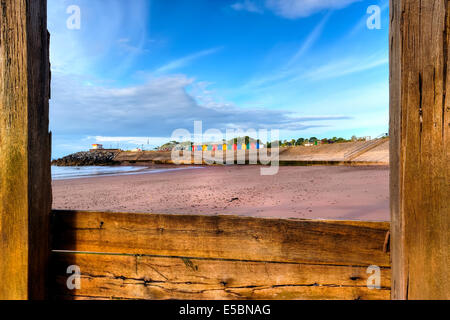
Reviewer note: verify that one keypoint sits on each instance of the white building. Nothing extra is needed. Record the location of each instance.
(97, 146)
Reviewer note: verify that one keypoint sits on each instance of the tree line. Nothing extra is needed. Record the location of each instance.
(313, 140)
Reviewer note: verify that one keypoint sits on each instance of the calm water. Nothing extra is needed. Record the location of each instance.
(62, 173)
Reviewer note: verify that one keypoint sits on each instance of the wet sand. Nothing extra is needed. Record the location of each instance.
(321, 192)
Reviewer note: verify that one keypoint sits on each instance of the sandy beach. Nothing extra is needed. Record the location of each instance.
(321, 192)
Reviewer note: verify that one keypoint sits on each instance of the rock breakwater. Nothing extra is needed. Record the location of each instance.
(89, 158)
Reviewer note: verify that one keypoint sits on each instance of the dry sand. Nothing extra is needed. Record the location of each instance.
(321, 192)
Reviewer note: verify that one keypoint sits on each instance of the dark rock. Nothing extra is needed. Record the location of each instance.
(90, 158)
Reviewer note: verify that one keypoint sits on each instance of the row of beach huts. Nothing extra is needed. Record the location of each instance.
(224, 147)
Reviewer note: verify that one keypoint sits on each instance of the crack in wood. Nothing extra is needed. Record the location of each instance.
(150, 282)
(220, 259)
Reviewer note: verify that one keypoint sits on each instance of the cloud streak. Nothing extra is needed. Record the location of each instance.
(182, 62)
(345, 67)
(310, 40)
(105, 35)
(292, 9)
(247, 5)
(290, 69)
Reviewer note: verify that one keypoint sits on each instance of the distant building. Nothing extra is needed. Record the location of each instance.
(97, 146)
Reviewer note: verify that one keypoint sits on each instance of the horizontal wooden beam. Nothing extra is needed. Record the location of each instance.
(154, 256)
(106, 276)
(223, 237)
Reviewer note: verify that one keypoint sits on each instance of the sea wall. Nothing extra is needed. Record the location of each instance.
(323, 154)
(328, 154)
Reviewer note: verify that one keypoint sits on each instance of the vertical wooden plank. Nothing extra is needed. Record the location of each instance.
(395, 46)
(420, 166)
(25, 183)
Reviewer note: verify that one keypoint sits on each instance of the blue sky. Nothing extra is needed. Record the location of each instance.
(137, 70)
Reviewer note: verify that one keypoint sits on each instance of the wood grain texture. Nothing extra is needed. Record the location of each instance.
(419, 149)
(151, 277)
(223, 237)
(25, 190)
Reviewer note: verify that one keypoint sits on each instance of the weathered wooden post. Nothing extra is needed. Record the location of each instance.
(25, 182)
(420, 163)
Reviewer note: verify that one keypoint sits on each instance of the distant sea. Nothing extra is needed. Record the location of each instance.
(63, 173)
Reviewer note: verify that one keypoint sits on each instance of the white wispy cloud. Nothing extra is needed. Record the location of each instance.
(247, 5)
(291, 9)
(310, 40)
(114, 140)
(128, 47)
(290, 69)
(346, 66)
(90, 48)
(182, 62)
